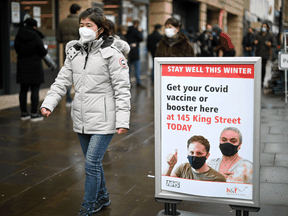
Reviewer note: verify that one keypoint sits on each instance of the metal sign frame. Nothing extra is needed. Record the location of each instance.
(164, 194)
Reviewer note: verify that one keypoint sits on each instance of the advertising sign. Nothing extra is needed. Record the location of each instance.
(283, 61)
(207, 132)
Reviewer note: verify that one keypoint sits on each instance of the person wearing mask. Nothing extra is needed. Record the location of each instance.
(264, 41)
(153, 40)
(248, 43)
(101, 106)
(30, 51)
(207, 41)
(174, 42)
(69, 30)
(225, 43)
(198, 148)
(235, 168)
(134, 37)
(122, 45)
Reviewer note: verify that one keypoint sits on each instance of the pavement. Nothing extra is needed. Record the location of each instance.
(42, 166)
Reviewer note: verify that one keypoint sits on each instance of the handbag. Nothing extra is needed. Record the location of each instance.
(50, 62)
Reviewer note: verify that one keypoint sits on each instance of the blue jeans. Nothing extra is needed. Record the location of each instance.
(248, 53)
(137, 66)
(94, 147)
(68, 96)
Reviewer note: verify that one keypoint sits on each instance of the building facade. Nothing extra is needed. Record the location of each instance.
(194, 15)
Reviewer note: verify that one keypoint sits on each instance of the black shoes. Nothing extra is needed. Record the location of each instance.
(104, 202)
(140, 86)
(36, 117)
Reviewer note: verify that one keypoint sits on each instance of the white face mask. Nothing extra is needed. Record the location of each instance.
(170, 32)
(87, 35)
(264, 29)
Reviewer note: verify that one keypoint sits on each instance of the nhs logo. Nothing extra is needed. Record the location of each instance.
(174, 184)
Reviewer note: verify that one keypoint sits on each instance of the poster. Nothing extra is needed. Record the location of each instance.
(207, 121)
(15, 12)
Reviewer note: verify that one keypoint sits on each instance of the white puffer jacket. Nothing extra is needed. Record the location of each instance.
(100, 76)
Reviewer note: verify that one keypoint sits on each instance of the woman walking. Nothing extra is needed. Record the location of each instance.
(101, 105)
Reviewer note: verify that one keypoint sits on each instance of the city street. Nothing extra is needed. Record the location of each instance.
(43, 173)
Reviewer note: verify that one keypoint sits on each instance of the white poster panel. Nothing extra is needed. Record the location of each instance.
(207, 138)
(15, 12)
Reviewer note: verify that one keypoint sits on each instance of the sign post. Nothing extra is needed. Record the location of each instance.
(204, 107)
(283, 63)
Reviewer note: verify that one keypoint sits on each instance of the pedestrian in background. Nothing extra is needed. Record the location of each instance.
(174, 42)
(69, 30)
(225, 43)
(207, 41)
(134, 37)
(152, 42)
(264, 41)
(248, 43)
(30, 51)
(101, 106)
(122, 45)
(121, 32)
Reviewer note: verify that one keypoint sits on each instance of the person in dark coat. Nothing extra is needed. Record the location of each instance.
(134, 37)
(264, 40)
(208, 42)
(174, 43)
(248, 43)
(153, 40)
(69, 30)
(30, 50)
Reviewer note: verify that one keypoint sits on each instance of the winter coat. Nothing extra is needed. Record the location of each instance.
(179, 48)
(261, 48)
(100, 76)
(152, 42)
(68, 29)
(30, 51)
(122, 45)
(134, 37)
(248, 41)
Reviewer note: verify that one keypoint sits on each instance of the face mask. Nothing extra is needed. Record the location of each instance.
(87, 34)
(263, 29)
(196, 162)
(228, 149)
(170, 32)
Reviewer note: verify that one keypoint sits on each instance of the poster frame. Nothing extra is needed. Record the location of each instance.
(163, 194)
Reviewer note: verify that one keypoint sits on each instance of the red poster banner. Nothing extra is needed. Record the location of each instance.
(209, 70)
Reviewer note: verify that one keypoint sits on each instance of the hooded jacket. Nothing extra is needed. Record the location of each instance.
(100, 76)
(30, 51)
(178, 48)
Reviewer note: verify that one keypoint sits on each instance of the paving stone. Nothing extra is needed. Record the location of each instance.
(281, 160)
(274, 174)
(272, 138)
(276, 148)
(267, 159)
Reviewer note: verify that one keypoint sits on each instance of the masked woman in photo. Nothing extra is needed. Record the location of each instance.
(174, 43)
(101, 105)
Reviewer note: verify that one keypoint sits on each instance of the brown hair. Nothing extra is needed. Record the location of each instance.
(200, 139)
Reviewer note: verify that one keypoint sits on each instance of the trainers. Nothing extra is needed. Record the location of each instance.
(85, 212)
(36, 117)
(68, 104)
(104, 202)
(25, 116)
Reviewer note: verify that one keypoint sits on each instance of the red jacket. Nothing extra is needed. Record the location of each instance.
(225, 42)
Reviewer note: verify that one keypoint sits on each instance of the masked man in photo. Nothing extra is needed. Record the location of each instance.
(196, 168)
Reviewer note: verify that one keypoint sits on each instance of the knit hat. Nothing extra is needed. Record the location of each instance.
(30, 22)
(216, 28)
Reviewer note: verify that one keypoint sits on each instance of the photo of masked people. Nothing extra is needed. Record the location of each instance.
(174, 42)
(196, 168)
(235, 168)
(101, 106)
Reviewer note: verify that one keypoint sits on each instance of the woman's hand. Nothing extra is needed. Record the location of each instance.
(45, 112)
(121, 130)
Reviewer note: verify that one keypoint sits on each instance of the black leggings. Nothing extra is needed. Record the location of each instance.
(24, 88)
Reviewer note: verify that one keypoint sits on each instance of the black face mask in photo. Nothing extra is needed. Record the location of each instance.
(228, 149)
(196, 162)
